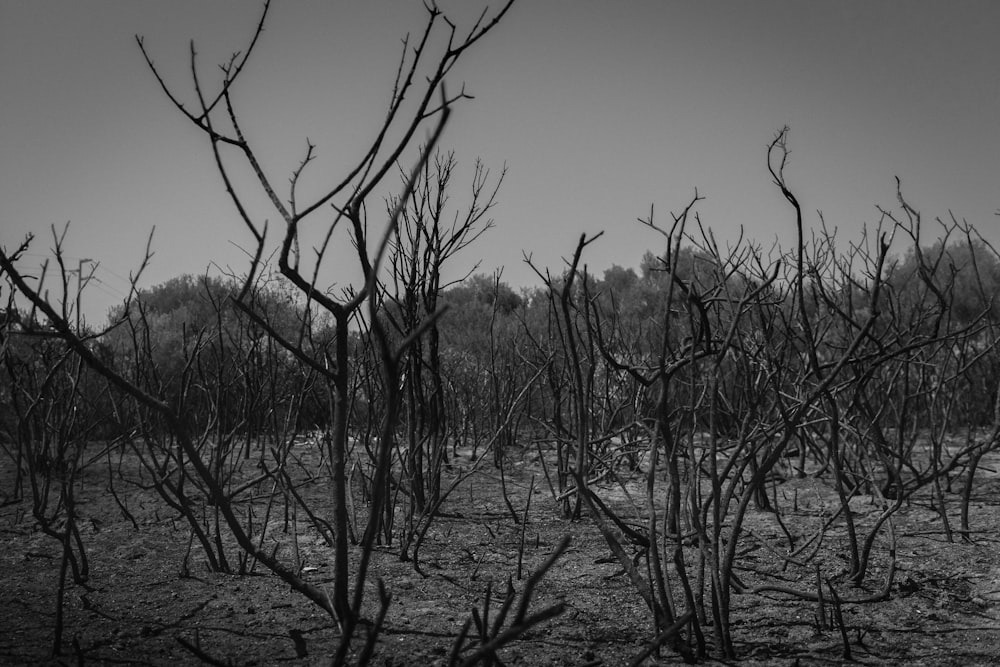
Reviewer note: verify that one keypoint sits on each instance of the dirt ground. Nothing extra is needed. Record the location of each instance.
(944, 607)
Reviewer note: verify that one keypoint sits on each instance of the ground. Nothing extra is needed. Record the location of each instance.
(144, 602)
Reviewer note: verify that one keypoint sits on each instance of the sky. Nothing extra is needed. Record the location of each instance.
(599, 110)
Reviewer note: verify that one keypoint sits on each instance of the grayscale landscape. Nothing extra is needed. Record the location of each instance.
(404, 333)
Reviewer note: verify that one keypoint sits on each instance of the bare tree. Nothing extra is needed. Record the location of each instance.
(424, 65)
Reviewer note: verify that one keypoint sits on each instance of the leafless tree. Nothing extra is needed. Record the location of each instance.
(424, 65)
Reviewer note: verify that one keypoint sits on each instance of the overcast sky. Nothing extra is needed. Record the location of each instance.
(598, 109)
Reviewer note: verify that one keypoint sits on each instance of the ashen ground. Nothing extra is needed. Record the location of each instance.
(944, 607)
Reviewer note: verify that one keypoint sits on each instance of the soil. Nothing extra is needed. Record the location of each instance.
(151, 601)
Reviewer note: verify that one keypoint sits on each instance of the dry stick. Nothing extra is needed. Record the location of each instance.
(887, 513)
(506, 497)
(521, 623)
(883, 594)
(839, 616)
(634, 535)
(663, 614)
(475, 570)
(662, 638)
(321, 525)
(60, 595)
(616, 548)
(938, 495)
(820, 602)
(524, 526)
(967, 494)
(685, 580)
(456, 647)
(122, 504)
(545, 469)
(529, 587)
(483, 622)
(571, 491)
(185, 570)
(263, 531)
(513, 632)
(789, 557)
